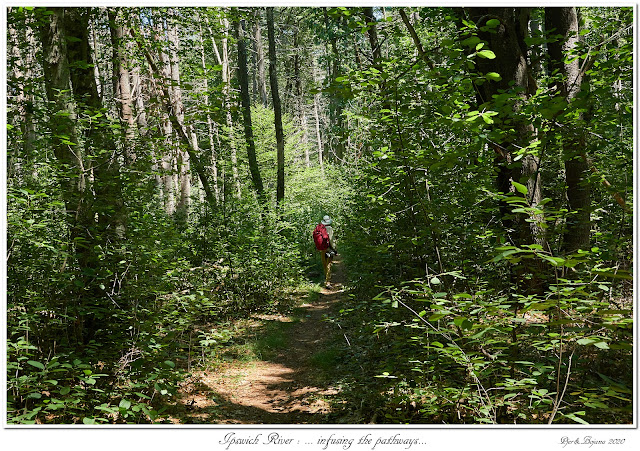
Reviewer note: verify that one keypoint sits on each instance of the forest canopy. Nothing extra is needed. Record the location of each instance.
(166, 167)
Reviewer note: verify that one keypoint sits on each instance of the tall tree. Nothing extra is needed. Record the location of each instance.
(505, 30)
(335, 102)
(210, 125)
(21, 51)
(505, 36)
(259, 77)
(182, 156)
(273, 78)
(243, 80)
(121, 81)
(563, 29)
(99, 142)
(226, 80)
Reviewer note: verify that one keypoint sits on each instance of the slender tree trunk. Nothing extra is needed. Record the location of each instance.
(21, 66)
(183, 172)
(243, 80)
(372, 32)
(335, 104)
(273, 77)
(226, 80)
(121, 83)
(210, 128)
(316, 115)
(415, 37)
(167, 157)
(260, 76)
(563, 30)
(318, 134)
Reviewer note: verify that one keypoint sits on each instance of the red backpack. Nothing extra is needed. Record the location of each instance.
(321, 237)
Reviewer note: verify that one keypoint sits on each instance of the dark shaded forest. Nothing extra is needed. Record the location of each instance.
(166, 168)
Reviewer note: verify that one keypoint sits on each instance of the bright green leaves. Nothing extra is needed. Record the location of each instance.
(520, 188)
(595, 341)
(486, 116)
(488, 54)
(463, 323)
(38, 365)
(491, 24)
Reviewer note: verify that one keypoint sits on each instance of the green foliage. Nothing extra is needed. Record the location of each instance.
(446, 319)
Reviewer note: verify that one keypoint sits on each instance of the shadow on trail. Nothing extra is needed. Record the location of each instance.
(293, 383)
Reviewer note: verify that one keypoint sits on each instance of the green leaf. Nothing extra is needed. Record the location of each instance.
(124, 404)
(488, 54)
(36, 364)
(493, 76)
(169, 363)
(437, 316)
(520, 188)
(89, 420)
(471, 42)
(435, 281)
(65, 390)
(576, 418)
(602, 345)
(492, 23)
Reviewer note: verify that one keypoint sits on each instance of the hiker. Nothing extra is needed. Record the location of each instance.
(323, 239)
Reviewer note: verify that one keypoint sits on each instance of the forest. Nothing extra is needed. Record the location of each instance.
(166, 167)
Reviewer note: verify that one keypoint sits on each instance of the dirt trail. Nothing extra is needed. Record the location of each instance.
(284, 389)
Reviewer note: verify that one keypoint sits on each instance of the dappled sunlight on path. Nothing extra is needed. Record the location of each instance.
(284, 388)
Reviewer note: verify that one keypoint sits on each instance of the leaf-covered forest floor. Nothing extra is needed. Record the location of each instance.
(283, 373)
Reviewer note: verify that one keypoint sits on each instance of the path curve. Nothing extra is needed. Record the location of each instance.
(285, 389)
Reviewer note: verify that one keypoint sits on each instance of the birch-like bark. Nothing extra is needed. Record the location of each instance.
(183, 172)
(226, 80)
(210, 128)
(121, 82)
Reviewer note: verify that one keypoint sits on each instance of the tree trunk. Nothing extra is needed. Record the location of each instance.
(21, 64)
(99, 142)
(562, 27)
(167, 157)
(65, 144)
(273, 78)
(335, 104)
(210, 128)
(62, 123)
(70, 85)
(372, 33)
(316, 115)
(183, 164)
(318, 134)
(121, 83)
(226, 80)
(260, 76)
(506, 40)
(243, 80)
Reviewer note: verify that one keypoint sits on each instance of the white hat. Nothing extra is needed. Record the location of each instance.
(326, 220)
